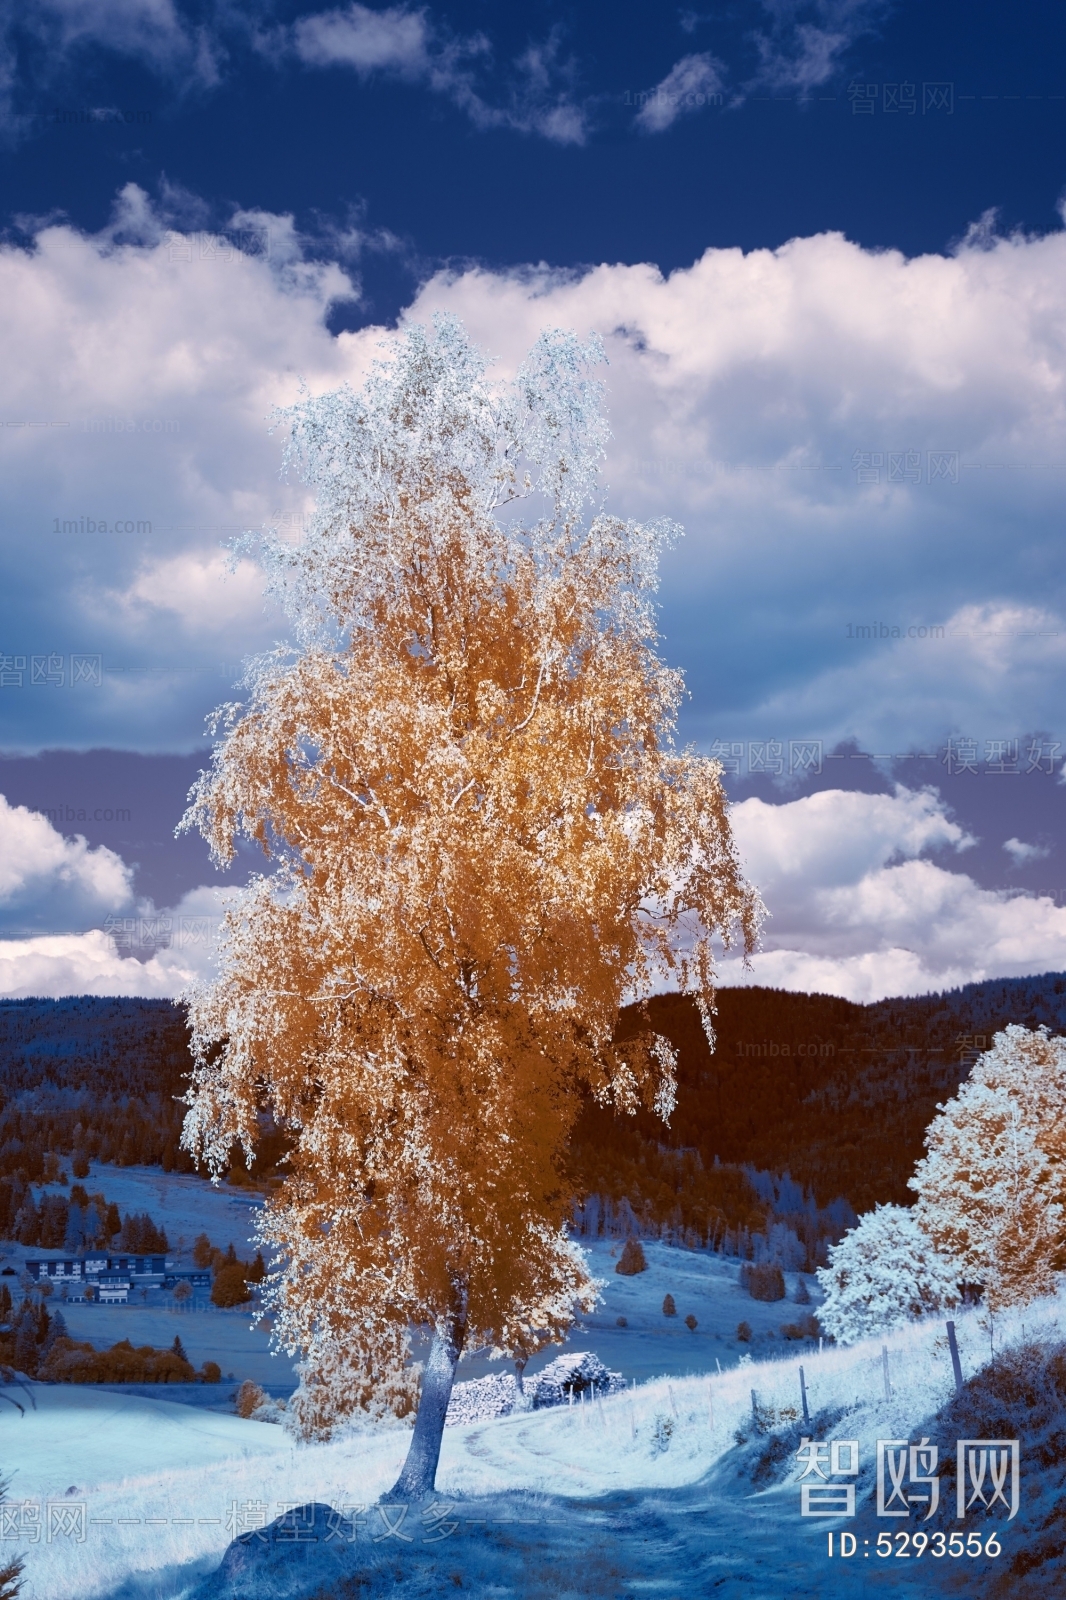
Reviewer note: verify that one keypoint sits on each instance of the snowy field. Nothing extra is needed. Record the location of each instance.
(180, 1202)
(702, 1285)
(184, 1205)
(158, 1485)
(637, 1494)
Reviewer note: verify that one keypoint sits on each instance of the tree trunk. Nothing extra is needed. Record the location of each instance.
(420, 1469)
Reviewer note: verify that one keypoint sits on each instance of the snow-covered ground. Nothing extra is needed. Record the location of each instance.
(142, 1494)
(703, 1285)
(159, 1485)
(180, 1202)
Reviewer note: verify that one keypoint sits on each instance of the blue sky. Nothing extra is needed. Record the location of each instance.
(824, 246)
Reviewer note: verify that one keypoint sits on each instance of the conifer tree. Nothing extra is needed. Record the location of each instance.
(10, 1571)
(992, 1185)
(483, 843)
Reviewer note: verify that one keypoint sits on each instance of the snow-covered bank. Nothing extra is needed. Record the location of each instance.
(172, 1479)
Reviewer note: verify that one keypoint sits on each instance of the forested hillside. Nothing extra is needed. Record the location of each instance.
(98, 1075)
(836, 1094)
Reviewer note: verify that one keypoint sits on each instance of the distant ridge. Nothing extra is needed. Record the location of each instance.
(836, 1093)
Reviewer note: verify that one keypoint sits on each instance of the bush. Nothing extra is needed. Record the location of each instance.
(744, 1332)
(249, 1398)
(690, 1322)
(802, 1296)
(803, 1328)
(621, 1322)
(632, 1259)
(1020, 1395)
(68, 1361)
(669, 1308)
(229, 1287)
(210, 1372)
(763, 1282)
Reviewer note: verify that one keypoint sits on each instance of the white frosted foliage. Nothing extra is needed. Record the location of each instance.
(884, 1272)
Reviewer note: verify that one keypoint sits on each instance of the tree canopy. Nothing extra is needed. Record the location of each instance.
(992, 1185)
(482, 843)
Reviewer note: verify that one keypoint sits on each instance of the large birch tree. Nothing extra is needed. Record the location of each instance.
(481, 843)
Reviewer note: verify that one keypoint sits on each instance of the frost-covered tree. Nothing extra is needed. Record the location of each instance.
(885, 1271)
(992, 1186)
(483, 843)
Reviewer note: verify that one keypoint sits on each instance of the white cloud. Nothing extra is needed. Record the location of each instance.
(204, 592)
(692, 83)
(746, 394)
(986, 672)
(45, 877)
(153, 359)
(537, 86)
(92, 962)
(369, 41)
(136, 27)
(857, 909)
(838, 837)
(153, 32)
(803, 46)
(741, 390)
(1021, 854)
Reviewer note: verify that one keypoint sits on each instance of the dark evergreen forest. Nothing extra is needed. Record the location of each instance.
(835, 1094)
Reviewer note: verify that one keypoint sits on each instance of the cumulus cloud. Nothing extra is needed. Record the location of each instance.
(986, 672)
(96, 961)
(70, 922)
(208, 594)
(858, 909)
(49, 880)
(845, 433)
(143, 365)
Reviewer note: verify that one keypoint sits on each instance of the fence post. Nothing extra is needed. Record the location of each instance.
(884, 1371)
(956, 1365)
(803, 1397)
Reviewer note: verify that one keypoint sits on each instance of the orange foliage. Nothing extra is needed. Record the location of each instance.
(484, 844)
